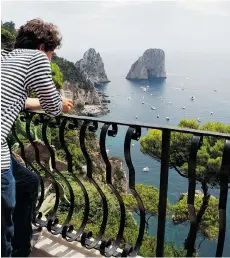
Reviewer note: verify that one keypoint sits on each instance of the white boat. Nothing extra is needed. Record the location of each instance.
(143, 102)
(183, 107)
(198, 119)
(170, 102)
(147, 86)
(133, 144)
(211, 113)
(192, 98)
(158, 116)
(144, 89)
(151, 94)
(146, 169)
(128, 98)
(167, 118)
(153, 108)
(136, 117)
(107, 151)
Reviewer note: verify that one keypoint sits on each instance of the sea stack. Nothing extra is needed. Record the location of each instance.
(150, 65)
(93, 67)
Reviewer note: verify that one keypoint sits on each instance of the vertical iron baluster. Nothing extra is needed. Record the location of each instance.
(165, 157)
(103, 134)
(191, 239)
(29, 117)
(68, 233)
(134, 133)
(46, 123)
(29, 165)
(89, 174)
(224, 175)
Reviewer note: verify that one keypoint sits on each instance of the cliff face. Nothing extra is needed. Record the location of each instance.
(81, 89)
(88, 95)
(93, 67)
(149, 66)
(77, 83)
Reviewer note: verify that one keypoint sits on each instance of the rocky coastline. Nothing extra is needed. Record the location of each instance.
(100, 108)
(87, 102)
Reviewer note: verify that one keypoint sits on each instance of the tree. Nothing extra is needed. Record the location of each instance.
(10, 26)
(57, 76)
(150, 198)
(7, 38)
(209, 223)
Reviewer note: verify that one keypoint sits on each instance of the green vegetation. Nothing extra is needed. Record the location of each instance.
(10, 26)
(8, 35)
(148, 247)
(57, 76)
(150, 198)
(209, 223)
(71, 138)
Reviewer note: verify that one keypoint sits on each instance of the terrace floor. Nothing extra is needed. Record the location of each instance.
(55, 246)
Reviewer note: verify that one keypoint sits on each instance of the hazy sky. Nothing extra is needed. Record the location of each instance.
(130, 26)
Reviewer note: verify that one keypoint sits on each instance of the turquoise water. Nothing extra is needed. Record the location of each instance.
(204, 76)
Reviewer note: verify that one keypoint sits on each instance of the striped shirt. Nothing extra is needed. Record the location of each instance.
(24, 70)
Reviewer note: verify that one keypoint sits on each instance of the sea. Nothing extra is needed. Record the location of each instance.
(205, 76)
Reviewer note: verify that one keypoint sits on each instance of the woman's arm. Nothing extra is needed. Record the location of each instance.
(33, 104)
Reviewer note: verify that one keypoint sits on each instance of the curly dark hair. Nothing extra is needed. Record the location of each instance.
(37, 32)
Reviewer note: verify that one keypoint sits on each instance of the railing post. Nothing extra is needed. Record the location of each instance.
(134, 133)
(194, 223)
(165, 157)
(224, 175)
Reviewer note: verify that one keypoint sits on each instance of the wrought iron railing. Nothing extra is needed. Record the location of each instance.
(110, 129)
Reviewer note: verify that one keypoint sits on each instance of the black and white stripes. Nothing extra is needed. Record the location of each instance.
(24, 70)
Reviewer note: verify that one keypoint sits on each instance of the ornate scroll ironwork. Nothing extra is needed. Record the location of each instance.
(110, 247)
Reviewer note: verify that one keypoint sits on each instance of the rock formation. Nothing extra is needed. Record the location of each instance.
(150, 65)
(93, 67)
(87, 101)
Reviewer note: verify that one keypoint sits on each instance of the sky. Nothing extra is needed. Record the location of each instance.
(125, 26)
